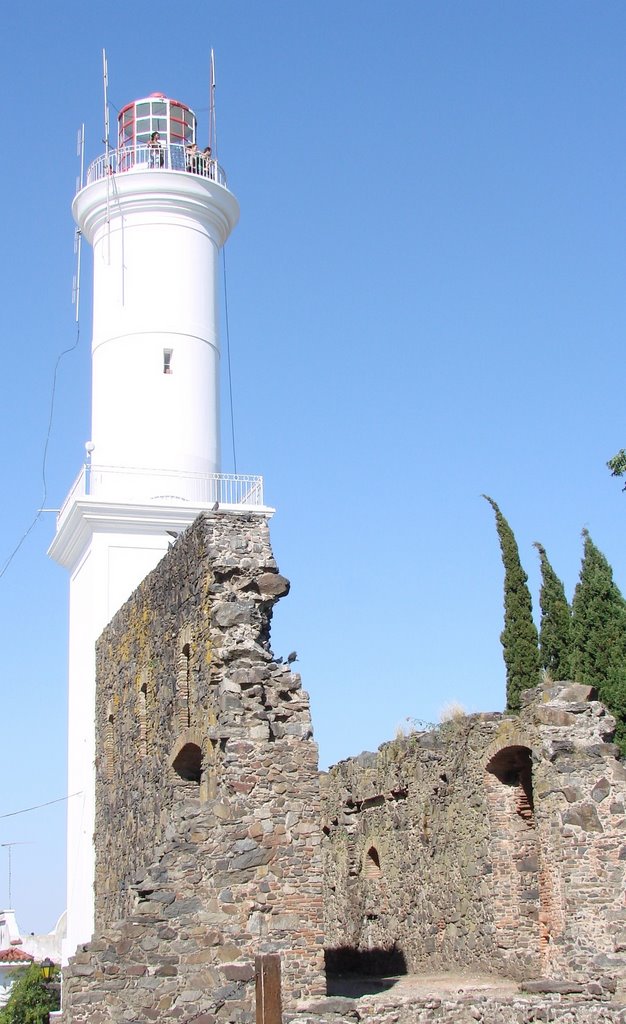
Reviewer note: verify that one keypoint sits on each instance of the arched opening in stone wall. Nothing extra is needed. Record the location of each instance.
(345, 964)
(142, 714)
(376, 939)
(109, 745)
(188, 764)
(513, 767)
(514, 857)
(182, 687)
(371, 867)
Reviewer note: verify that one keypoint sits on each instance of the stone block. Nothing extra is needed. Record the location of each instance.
(272, 585)
(253, 858)
(601, 790)
(234, 613)
(572, 692)
(551, 986)
(550, 715)
(83, 970)
(238, 972)
(335, 1005)
(572, 793)
(583, 815)
(528, 864)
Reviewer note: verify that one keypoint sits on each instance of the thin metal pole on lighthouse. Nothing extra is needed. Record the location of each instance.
(8, 848)
(212, 119)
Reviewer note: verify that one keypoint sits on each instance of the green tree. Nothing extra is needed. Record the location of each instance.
(519, 638)
(31, 998)
(617, 464)
(555, 634)
(599, 634)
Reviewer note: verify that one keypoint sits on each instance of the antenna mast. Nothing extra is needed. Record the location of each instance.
(105, 81)
(107, 153)
(8, 848)
(212, 120)
(80, 153)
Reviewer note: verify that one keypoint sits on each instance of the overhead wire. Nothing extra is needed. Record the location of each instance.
(48, 803)
(41, 508)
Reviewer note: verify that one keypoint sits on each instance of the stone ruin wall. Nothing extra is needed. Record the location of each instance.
(470, 1008)
(207, 810)
(492, 843)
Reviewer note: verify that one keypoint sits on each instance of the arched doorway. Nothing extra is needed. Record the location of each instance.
(515, 862)
(188, 765)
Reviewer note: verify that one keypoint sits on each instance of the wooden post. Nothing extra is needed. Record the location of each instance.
(267, 977)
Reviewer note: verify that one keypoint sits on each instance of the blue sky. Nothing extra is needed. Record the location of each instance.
(426, 300)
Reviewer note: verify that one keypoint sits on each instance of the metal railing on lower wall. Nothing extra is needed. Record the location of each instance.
(151, 158)
(164, 486)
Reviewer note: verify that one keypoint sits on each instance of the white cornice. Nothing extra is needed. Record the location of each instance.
(88, 516)
(156, 192)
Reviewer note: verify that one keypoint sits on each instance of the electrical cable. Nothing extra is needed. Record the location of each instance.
(37, 517)
(36, 807)
(230, 379)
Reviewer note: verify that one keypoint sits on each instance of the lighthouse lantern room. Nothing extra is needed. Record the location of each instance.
(156, 212)
(137, 122)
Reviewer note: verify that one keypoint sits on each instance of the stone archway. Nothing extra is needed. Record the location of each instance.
(515, 858)
(188, 764)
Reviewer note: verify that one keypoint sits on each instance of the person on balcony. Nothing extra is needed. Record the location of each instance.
(155, 147)
(192, 158)
(206, 161)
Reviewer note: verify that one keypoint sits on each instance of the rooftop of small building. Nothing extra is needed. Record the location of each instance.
(12, 955)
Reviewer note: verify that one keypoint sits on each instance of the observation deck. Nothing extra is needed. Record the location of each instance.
(232, 491)
(168, 156)
(118, 499)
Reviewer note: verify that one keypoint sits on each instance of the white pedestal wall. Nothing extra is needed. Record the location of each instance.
(109, 550)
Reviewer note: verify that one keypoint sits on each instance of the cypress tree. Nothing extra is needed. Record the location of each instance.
(617, 464)
(519, 637)
(599, 634)
(555, 635)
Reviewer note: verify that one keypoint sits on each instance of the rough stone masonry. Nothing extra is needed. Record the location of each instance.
(207, 795)
(493, 844)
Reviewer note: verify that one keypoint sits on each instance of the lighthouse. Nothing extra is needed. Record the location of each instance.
(156, 210)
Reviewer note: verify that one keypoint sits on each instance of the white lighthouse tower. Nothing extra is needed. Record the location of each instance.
(156, 212)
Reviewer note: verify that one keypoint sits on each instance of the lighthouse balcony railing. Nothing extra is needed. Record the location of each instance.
(131, 159)
(164, 486)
